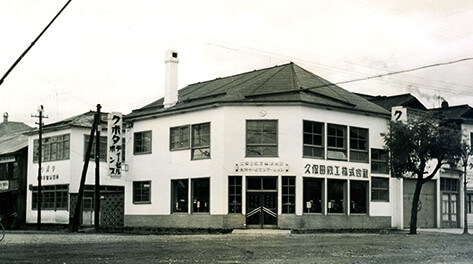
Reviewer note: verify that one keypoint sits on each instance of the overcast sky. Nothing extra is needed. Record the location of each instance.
(112, 52)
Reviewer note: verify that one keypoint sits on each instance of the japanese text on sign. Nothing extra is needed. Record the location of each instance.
(259, 166)
(317, 169)
(115, 144)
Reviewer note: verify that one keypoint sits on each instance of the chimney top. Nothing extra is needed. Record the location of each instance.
(5, 117)
(444, 105)
(171, 55)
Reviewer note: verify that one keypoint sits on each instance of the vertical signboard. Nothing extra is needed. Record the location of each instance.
(114, 145)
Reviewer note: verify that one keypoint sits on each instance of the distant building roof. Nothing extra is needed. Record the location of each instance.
(11, 136)
(83, 120)
(462, 113)
(8, 127)
(282, 84)
(387, 102)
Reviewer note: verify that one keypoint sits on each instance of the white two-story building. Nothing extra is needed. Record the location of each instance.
(277, 147)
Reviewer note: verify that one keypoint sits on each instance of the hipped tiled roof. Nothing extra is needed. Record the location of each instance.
(458, 112)
(286, 83)
(387, 102)
(83, 120)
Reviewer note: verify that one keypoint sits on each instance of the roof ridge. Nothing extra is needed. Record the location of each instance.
(270, 77)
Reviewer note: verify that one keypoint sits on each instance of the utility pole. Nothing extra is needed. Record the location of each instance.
(40, 157)
(465, 200)
(97, 170)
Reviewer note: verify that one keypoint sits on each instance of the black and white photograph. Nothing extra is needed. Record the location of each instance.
(236, 131)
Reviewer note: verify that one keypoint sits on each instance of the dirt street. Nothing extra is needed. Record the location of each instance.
(426, 247)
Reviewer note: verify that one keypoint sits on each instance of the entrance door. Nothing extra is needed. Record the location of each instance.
(449, 210)
(261, 197)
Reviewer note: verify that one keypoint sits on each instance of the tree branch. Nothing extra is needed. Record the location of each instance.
(436, 169)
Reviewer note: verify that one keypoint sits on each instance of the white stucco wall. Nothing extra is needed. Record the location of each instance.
(228, 142)
(69, 172)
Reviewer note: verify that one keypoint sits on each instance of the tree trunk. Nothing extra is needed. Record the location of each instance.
(415, 203)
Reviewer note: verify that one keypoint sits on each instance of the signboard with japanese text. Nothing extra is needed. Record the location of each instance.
(114, 145)
(331, 170)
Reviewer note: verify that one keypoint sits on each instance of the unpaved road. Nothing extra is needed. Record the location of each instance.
(300, 248)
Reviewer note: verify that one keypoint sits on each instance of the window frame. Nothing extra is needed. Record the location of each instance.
(61, 143)
(57, 194)
(181, 137)
(345, 195)
(376, 155)
(103, 148)
(235, 189)
(358, 131)
(344, 148)
(193, 196)
(288, 190)
(305, 195)
(365, 185)
(142, 141)
(199, 147)
(313, 134)
(142, 188)
(379, 189)
(174, 193)
(275, 145)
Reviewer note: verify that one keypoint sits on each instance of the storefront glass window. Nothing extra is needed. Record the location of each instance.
(200, 195)
(53, 197)
(288, 195)
(234, 194)
(313, 189)
(180, 190)
(358, 197)
(336, 196)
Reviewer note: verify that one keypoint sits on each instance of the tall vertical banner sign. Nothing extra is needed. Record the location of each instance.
(114, 145)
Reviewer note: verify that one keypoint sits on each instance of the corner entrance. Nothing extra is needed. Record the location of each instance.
(261, 202)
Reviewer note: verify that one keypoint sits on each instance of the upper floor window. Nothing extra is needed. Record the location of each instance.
(379, 161)
(358, 144)
(103, 148)
(336, 142)
(53, 148)
(313, 139)
(261, 138)
(142, 142)
(200, 141)
(179, 138)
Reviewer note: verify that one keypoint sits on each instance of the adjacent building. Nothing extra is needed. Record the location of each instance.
(63, 156)
(13, 168)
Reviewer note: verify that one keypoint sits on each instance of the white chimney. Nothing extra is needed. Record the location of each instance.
(170, 79)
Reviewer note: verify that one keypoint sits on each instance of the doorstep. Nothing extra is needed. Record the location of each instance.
(262, 231)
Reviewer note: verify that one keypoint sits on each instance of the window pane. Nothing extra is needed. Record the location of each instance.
(336, 142)
(142, 192)
(201, 141)
(179, 195)
(313, 139)
(200, 192)
(142, 142)
(234, 194)
(358, 197)
(336, 196)
(313, 189)
(261, 138)
(254, 183)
